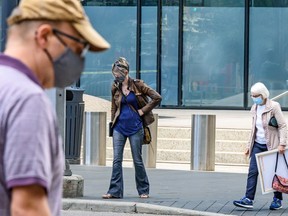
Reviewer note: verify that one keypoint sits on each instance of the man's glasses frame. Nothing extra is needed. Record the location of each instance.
(83, 42)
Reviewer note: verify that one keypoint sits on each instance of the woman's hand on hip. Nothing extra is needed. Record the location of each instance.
(281, 149)
(140, 112)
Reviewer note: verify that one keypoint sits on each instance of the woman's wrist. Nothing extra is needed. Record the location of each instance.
(140, 112)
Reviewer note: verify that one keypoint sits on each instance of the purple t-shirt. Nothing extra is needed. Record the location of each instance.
(31, 151)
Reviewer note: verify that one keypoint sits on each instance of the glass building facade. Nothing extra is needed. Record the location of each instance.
(198, 54)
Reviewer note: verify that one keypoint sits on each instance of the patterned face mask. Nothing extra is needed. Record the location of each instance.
(118, 72)
(120, 79)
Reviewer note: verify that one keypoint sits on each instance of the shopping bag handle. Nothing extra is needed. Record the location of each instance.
(277, 161)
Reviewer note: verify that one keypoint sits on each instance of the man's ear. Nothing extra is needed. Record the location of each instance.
(42, 35)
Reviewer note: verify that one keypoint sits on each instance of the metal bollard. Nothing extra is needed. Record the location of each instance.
(94, 140)
(149, 152)
(203, 142)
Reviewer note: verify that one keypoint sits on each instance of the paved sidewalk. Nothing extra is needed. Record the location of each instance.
(174, 189)
(174, 192)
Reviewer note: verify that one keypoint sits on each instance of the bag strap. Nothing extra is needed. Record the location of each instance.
(132, 108)
(130, 105)
(143, 96)
(276, 165)
(276, 162)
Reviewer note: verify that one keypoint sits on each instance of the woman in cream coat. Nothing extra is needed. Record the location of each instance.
(263, 138)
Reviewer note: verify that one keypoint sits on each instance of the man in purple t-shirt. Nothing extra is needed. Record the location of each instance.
(46, 44)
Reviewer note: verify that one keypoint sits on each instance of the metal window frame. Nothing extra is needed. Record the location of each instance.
(138, 39)
(246, 54)
(180, 53)
(159, 44)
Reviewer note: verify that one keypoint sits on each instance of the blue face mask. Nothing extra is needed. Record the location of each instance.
(257, 100)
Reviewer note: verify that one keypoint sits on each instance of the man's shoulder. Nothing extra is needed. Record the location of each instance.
(17, 90)
(12, 80)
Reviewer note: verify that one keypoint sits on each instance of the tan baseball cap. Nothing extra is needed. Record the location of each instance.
(60, 10)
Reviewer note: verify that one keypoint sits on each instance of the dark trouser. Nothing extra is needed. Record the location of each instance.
(253, 173)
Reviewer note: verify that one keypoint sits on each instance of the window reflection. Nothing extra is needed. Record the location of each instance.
(117, 24)
(149, 44)
(213, 38)
(169, 57)
(269, 47)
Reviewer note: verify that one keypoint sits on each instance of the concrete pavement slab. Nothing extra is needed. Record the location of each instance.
(205, 192)
(128, 207)
(98, 206)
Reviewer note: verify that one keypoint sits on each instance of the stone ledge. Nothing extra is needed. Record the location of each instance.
(73, 186)
(98, 206)
(128, 207)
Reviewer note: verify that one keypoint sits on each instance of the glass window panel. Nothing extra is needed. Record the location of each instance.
(269, 48)
(149, 45)
(213, 55)
(119, 29)
(169, 57)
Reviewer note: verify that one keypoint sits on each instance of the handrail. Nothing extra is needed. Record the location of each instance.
(280, 95)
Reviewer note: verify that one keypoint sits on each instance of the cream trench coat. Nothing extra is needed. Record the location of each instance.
(274, 136)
